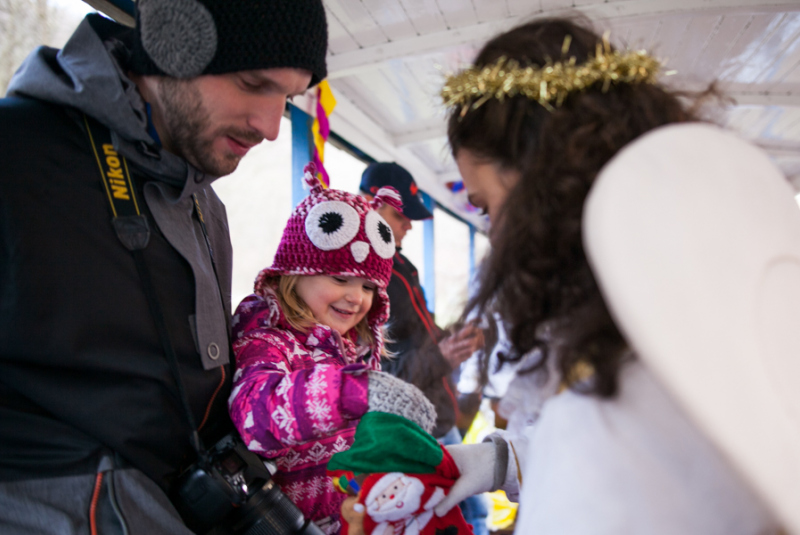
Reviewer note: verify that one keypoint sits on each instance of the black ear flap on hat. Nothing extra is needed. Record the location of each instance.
(180, 36)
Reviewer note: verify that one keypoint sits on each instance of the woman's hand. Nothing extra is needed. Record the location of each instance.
(485, 467)
(353, 514)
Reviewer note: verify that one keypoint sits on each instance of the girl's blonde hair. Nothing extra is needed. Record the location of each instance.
(299, 315)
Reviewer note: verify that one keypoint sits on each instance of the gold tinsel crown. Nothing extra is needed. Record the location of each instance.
(549, 84)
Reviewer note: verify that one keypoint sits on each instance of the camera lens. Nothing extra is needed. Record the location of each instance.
(270, 512)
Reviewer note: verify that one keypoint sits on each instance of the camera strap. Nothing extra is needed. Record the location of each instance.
(133, 230)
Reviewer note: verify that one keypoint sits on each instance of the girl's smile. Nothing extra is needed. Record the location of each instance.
(337, 301)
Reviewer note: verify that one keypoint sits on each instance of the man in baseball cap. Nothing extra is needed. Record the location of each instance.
(382, 174)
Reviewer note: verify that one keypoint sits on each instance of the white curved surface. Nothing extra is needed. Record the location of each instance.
(694, 238)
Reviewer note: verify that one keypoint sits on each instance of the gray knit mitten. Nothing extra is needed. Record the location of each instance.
(395, 396)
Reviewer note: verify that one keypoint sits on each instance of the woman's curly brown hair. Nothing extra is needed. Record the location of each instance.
(537, 270)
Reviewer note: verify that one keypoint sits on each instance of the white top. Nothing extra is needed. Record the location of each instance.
(631, 465)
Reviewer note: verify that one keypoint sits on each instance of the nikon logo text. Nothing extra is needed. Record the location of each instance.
(119, 189)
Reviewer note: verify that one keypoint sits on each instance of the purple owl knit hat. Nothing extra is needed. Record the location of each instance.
(332, 232)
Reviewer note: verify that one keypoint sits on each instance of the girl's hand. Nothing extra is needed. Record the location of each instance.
(353, 514)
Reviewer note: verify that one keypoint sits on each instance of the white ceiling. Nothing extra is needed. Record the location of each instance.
(387, 60)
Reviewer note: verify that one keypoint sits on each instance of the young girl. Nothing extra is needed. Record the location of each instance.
(542, 110)
(308, 345)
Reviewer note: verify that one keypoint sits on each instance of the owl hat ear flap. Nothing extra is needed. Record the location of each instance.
(387, 195)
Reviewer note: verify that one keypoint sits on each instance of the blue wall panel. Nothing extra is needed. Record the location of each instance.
(429, 255)
(301, 150)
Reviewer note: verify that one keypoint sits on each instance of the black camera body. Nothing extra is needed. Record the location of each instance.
(229, 491)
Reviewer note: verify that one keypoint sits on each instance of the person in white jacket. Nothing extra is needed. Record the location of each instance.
(543, 109)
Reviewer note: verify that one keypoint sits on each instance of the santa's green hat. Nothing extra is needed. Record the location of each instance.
(389, 443)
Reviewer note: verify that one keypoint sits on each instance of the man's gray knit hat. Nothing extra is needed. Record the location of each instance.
(187, 38)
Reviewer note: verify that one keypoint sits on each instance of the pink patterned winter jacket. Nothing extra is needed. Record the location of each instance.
(296, 399)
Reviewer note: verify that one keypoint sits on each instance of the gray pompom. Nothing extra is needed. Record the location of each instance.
(178, 35)
(394, 396)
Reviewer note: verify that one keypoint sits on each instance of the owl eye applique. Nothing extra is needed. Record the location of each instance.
(380, 235)
(332, 224)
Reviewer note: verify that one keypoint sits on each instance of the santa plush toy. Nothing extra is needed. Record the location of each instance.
(401, 504)
(399, 473)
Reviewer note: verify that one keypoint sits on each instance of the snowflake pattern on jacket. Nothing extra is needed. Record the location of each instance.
(296, 399)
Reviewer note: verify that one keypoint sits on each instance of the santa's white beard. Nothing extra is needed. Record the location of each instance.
(404, 504)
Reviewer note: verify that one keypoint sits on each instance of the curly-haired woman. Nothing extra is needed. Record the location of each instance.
(542, 110)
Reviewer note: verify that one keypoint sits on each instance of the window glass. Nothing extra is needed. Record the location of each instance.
(452, 266)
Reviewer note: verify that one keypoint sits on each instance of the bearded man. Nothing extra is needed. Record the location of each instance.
(114, 337)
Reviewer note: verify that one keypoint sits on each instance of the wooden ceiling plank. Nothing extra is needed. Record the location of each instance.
(431, 76)
(790, 82)
(428, 81)
(699, 34)
(392, 18)
(523, 8)
(425, 15)
(376, 97)
(554, 5)
(640, 36)
(671, 33)
(635, 8)
(620, 33)
(339, 39)
(487, 10)
(417, 102)
(391, 96)
(358, 22)
(785, 72)
(739, 117)
(421, 135)
(761, 128)
(752, 121)
(433, 157)
(370, 58)
(784, 50)
(785, 130)
(362, 114)
(562, 5)
(737, 66)
(743, 97)
(722, 42)
(458, 13)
